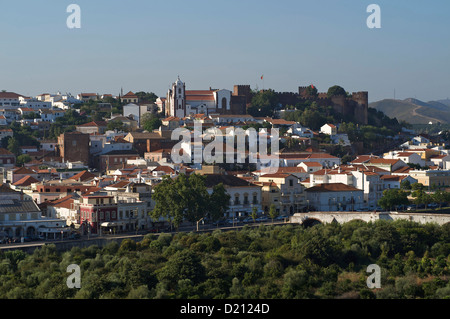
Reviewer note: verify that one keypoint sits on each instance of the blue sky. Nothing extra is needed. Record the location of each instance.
(144, 45)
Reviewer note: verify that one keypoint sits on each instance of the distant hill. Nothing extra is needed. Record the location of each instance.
(415, 111)
(446, 101)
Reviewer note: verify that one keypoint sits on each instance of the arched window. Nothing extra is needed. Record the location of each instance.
(224, 103)
(255, 198)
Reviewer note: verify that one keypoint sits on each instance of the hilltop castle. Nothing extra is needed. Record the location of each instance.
(356, 105)
(180, 102)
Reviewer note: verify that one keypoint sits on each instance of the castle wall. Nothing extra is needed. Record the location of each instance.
(356, 105)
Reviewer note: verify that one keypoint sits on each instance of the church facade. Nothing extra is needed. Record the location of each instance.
(181, 102)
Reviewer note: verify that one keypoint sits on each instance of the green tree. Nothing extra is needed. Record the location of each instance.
(147, 97)
(311, 91)
(152, 124)
(187, 198)
(184, 264)
(406, 185)
(116, 125)
(219, 202)
(392, 198)
(335, 91)
(254, 214)
(263, 103)
(14, 146)
(169, 202)
(22, 159)
(273, 213)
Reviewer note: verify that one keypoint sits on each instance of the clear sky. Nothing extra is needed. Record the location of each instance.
(144, 45)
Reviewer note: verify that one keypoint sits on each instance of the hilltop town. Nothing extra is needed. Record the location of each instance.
(90, 164)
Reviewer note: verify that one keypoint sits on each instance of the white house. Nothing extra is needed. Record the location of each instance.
(324, 159)
(9, 100)
(310, 167)
(20, 216)
(407, 157)
(244, 195)
(334, 197)
(329, 129)
(51, 115)
(442, 161)
(395, 181)
(34, 103)
(48, 145)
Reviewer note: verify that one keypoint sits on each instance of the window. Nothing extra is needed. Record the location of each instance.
(74, 142)
(291, 183)
(224, 103)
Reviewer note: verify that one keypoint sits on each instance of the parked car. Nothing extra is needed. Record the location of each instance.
(75, 236)
(262, 219)
(220, 222)
(248, 220)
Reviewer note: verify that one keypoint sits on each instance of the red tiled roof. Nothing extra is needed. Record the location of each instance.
(280, 122)
(199, 97)
(405, 154)
(363, 158)
(26, 181)
(83, 176)
(130, 95)
(64, 202)
(332, 187)
(120, 184)
(163, 168)
(24, 170)
(383, 161)
(275, 175)
(9, 95)
(94, 123)
(4, 151)
(199, 92)
(171, 118)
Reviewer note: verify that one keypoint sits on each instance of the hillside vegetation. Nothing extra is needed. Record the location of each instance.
(289, 261)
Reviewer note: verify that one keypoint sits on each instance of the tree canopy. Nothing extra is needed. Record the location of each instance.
(264, 103)
(325, 261)
(187, 198)
(336, 90)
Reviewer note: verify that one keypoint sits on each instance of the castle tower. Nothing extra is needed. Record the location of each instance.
(361, 109)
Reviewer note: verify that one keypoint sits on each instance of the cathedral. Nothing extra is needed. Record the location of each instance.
(181, 102)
